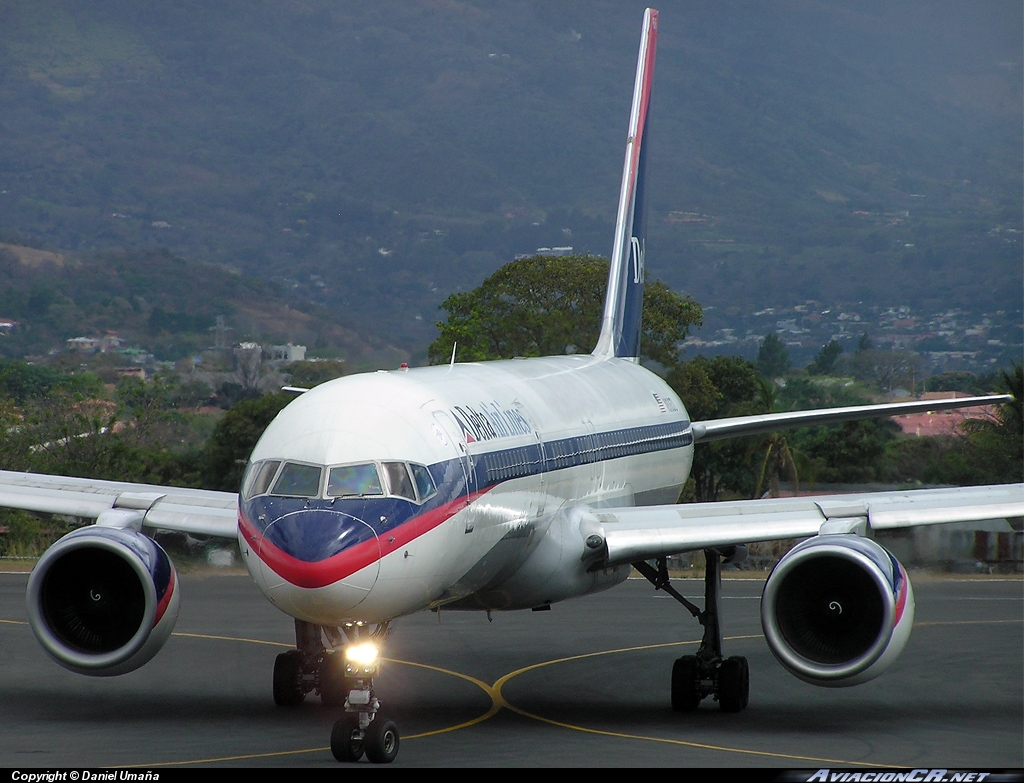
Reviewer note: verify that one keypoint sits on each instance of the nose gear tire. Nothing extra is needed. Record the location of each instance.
(345, 742)
(381, 740)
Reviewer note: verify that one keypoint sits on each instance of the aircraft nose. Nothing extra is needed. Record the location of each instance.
(333, 555)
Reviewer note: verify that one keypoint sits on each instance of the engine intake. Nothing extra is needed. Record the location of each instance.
(837, 610)
(103, 601)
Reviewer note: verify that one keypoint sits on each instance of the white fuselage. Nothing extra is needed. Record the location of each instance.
(513, 448)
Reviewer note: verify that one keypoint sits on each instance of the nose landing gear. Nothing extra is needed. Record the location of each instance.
(343, 675)
(363, 728)
(378, 738)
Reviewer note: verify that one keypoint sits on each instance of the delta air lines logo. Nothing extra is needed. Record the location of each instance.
(489, 420)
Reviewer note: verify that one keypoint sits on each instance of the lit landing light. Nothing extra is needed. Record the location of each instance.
(361, 659)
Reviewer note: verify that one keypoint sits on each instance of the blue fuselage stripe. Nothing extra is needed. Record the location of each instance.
(328, 526)
(494, 467)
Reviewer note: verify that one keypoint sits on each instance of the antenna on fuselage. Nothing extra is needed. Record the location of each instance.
(454, 346)
(623, 305)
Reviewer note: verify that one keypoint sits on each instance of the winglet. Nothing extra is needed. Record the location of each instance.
(623, 306)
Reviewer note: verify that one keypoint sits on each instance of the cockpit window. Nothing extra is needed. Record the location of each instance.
(424, 483)
(399, 482)
(354, 480)
(298, 480)
(294, 479)
(258, 477)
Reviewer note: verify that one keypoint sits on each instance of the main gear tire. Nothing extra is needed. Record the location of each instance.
(685, 686)
(288, 679)
(733, 684)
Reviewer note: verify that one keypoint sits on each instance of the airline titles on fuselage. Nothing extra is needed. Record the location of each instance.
(489, 420)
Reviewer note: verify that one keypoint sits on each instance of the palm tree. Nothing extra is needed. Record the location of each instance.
(998, 442)
(779, 457)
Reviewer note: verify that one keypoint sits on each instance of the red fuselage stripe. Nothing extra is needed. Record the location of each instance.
(347, 562)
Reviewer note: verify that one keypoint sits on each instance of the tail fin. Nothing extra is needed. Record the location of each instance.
(623, 306)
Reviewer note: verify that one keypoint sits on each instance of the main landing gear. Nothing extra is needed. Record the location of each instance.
(707, 673)
(343, 676)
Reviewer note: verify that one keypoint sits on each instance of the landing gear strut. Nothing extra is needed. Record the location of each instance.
(707, 673)
(343, 676)
(297, 672)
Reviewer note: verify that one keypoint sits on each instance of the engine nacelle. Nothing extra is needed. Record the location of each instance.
(103, 601)
(837, 610)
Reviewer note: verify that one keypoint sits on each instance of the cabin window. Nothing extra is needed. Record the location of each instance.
(350, 480)
(298, 480)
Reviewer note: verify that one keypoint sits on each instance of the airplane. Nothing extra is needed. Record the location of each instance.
(491, 486)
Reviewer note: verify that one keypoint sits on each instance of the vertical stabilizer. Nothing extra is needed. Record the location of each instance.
(623, 306)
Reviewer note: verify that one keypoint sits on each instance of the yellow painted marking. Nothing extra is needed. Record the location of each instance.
(222, 759)
(504, 703)
(967, 622)
(232, 639)
(700, 745)
(498, 701)
(489, 690)
(495, 706)
(492, 691)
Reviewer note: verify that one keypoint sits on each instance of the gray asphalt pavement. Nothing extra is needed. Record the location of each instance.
(468, 692)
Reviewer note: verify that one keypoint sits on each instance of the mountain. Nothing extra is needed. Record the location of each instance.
(164, 304)
(373, 158)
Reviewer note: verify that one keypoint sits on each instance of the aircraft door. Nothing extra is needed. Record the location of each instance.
(535, 458)
(592, 452)
(450, 434)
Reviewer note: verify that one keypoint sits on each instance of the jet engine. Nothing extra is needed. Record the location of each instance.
(103, 601)
(837, 610)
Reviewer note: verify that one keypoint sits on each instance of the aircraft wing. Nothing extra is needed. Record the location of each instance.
(645, 532)
(199, 511)
(719, 429)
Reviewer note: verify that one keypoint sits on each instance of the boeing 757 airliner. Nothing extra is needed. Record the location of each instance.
(490, 486)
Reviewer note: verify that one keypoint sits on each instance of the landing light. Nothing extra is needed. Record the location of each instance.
(364, 655)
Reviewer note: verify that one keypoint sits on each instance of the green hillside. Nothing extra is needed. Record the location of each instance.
(374, 158)
(161, 303)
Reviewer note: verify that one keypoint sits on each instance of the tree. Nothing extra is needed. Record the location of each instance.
(249, 368)
(715, 388)
(850, 452)
(310, 374)
(779, 456)
(235, 436)
(801, 394)
(998, 442)
(21, 381)
(543, 306)
(886, 369)
(842, 453)
(772, 357)
(960, 381)
(825, 363)
(69, 434)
